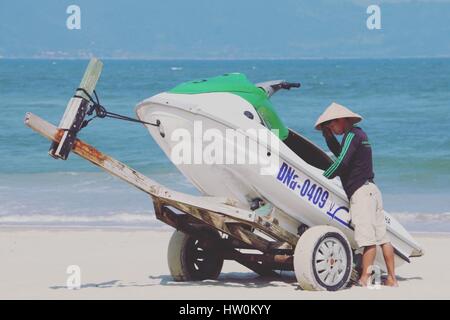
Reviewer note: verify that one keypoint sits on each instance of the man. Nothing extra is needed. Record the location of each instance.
(354, 166)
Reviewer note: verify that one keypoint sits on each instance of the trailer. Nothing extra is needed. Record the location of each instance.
(208, 229)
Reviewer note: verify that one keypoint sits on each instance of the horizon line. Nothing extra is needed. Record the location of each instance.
(224, 58)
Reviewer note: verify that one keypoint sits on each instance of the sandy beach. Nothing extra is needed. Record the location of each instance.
(131, 264)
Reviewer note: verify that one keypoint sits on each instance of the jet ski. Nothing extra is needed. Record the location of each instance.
(295, 193)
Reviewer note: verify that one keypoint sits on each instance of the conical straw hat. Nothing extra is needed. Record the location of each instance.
(336, 111)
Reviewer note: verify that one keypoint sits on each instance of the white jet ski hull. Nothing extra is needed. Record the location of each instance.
(297, 190)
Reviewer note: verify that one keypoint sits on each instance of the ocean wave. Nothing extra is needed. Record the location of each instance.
(424, 222)
(117, 219)
(414, 221)
(421, 216)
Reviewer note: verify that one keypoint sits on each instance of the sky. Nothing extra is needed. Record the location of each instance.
(227, 29)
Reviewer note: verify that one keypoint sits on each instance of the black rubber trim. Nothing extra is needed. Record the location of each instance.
(401, 255)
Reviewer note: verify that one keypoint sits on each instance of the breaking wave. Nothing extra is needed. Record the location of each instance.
(412, 221)
(113, 220)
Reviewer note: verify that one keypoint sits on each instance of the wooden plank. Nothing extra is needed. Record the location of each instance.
(90, 77)
(75, 112)
(222, 222)
(246, 236)
(88, 83)
(276, 231)
(213, 219)
(226, 225)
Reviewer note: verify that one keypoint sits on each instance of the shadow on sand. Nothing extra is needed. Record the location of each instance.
(230, 279)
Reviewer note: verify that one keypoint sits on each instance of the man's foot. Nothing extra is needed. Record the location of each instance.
(362, 282)
(391, 282)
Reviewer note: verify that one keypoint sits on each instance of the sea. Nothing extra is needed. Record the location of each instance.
(405, 104)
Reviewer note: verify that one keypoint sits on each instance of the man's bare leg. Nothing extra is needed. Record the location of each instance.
(367, 260)
(388, 253)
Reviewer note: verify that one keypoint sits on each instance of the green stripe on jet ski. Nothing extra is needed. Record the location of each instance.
(238, 84)
(333, 167)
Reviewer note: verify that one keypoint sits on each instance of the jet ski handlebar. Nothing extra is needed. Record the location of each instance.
(270, 87)
(289, 85)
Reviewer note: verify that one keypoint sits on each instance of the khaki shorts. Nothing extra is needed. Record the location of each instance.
(366, 211)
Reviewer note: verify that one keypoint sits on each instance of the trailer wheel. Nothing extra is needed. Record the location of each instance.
(194, 259)
(323, 259)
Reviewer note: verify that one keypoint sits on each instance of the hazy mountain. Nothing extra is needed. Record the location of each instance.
(224, 29)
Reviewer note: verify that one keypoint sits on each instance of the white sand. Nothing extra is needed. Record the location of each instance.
(128, 264)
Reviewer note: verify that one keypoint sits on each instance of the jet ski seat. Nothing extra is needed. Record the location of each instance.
(307, 150)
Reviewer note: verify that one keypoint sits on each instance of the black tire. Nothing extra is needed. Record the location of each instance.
(194, 259)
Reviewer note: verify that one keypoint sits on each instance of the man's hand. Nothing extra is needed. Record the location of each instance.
(326, 132)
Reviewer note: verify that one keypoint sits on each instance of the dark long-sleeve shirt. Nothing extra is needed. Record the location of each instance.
(354, 160)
